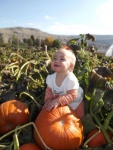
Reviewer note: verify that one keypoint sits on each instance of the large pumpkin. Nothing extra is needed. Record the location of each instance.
(60, 129)
(29, 146)
(13, 113)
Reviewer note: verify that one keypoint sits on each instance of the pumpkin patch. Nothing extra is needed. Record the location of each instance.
(23, 71)
(59, 129)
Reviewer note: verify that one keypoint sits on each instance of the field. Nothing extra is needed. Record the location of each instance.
(22, 77)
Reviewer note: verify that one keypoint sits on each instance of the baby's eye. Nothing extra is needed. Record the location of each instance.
(62, 59)
(54, 58)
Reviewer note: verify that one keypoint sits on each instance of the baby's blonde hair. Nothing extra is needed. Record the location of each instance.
(71, 55)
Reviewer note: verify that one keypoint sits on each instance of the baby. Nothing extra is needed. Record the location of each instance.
(62, 86)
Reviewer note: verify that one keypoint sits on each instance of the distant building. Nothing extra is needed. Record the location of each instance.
(109, 52)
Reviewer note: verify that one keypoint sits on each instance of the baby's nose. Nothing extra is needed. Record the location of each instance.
(57, 60)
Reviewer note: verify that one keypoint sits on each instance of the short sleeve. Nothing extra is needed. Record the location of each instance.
(48, 81)
(73, 84)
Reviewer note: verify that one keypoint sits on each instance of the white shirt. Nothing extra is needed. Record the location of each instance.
(70, 82)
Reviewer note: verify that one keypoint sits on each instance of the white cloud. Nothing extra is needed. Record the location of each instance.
(34, 25)
(8, 22)
(71, 29)
(104, 12)
(4, 21)
(106, 7)
(75, 29)
(49, 17)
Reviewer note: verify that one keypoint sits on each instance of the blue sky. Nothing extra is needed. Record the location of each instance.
(62, 17)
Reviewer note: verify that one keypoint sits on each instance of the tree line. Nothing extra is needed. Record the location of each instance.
(31, 41)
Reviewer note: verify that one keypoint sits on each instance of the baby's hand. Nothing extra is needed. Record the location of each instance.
(46, 103)
(52, 104)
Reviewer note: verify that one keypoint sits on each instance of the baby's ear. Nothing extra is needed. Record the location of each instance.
(71, 67)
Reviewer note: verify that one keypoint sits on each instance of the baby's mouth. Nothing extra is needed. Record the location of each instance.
(57, 65)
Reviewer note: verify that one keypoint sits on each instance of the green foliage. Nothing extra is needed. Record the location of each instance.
(30, 42)
(37, 42)
(81, 43)
(1, 40)
(33, 40)
(57, 43)
(15, 41)
(83, 68)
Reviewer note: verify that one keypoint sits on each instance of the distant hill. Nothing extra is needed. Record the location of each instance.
(102, 41)
(21, 33)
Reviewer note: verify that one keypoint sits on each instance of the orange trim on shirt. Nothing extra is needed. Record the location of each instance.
(64, 99)
(48, 94)
(68, 97)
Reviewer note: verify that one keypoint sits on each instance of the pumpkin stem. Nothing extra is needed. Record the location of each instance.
(17, 128)
(105, 126)
(23, 126)
(38, 105)
(16, 141)
(107, 120)
(88, 140)
(47, 148)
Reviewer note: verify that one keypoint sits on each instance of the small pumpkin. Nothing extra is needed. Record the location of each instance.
(98, 140)
(29, 146)
(13, 113)
(60, 129)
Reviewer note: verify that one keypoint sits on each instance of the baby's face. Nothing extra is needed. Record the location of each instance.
(61, 61)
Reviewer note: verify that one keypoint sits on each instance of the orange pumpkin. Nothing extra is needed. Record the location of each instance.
(60, 129)
(98, 140)
(13, 113)
(29, 146)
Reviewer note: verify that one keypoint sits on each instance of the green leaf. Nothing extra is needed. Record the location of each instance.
(87, 97)
(73, 41)
(88, 123)
(108, 100)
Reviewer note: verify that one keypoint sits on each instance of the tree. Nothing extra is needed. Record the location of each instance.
(15, 41)
(25, 40)
(57, 43)
(33, 39)
(1, 40)
(30, 42)
(37, 42)
(49, 41)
